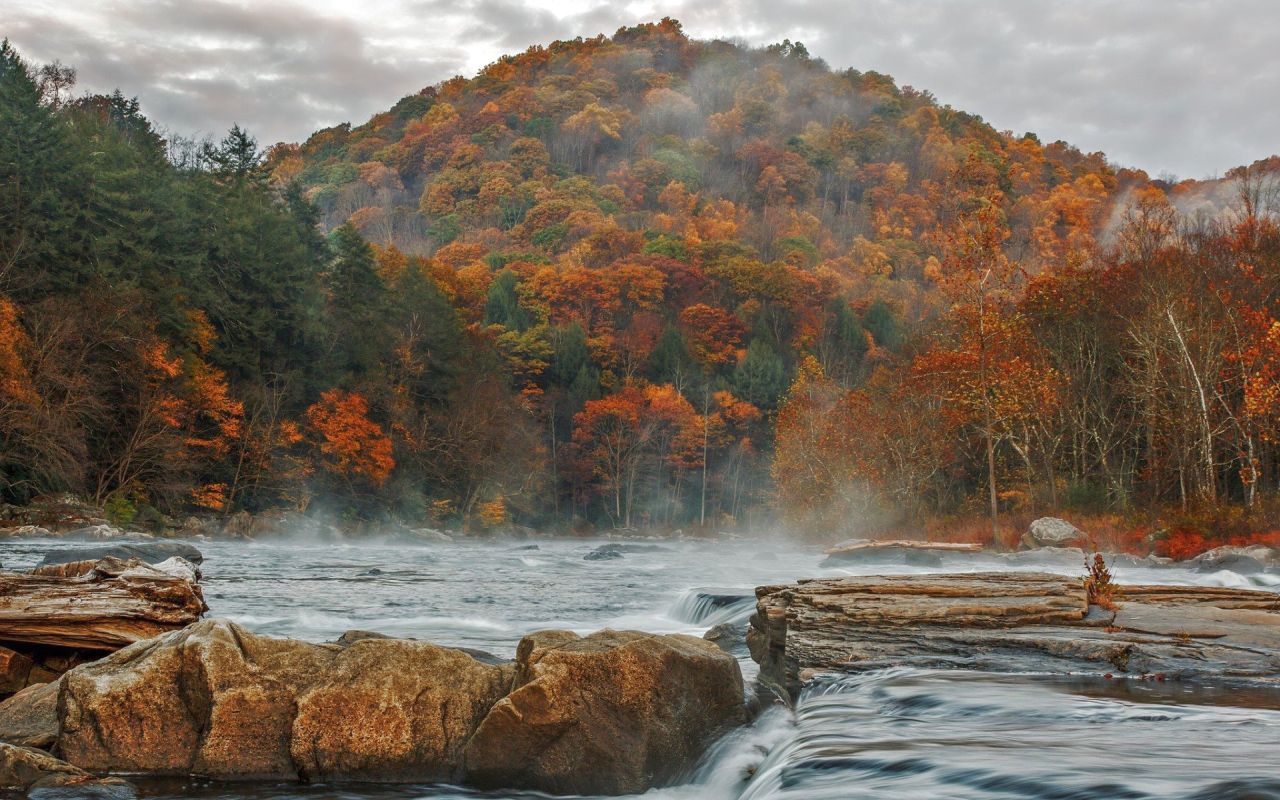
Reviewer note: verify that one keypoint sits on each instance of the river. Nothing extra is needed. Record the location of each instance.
(889, 734)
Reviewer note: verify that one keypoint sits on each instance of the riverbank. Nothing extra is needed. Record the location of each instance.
(487, 594)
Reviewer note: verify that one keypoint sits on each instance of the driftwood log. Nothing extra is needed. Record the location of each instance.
(1012, 622)
(99, 606)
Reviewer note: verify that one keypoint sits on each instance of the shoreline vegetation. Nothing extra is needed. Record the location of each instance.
(636, 282)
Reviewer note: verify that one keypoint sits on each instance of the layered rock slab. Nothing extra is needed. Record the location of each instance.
(1011, 622)
(102, 606)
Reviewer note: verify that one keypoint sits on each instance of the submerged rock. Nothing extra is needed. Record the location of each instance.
(146, 552)
(616, 712)
(1053, 532)
(618, 550)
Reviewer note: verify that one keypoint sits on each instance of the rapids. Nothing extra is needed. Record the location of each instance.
(889, 734)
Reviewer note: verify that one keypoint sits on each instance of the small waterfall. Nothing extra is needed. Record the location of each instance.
(713, 606)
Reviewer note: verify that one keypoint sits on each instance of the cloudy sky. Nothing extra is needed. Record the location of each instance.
(1188, 87)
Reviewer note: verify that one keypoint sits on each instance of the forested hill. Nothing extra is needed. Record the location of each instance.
(637, 280)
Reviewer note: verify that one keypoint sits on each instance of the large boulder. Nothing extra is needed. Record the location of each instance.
(146, 552)
(1243, 560)
(1053, 532)
(616, 712)
(216, 700)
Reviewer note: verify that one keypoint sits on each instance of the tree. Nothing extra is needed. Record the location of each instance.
(349, 446)
(760, 377)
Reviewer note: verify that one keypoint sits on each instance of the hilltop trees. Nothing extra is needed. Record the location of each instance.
(626, 281)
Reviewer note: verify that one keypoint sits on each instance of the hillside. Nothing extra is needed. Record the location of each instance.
(644, 280)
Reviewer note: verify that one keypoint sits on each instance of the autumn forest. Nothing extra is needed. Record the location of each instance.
(639, 281)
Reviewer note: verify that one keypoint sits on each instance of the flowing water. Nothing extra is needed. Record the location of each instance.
(889, 734)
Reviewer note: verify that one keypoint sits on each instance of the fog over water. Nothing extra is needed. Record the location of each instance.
(889, 734)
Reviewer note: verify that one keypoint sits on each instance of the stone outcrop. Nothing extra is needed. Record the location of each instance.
(1053, 532)
(616, 712)
(1011, 622)
(215, 700)
(113, 604)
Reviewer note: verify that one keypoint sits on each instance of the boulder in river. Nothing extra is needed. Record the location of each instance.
(619, 549)
(616, 712)
(146, 552)
(1243, 560)
(1053, 532)
(1012, 622)
(611, 712)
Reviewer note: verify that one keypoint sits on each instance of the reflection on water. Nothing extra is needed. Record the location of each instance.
(895, 734)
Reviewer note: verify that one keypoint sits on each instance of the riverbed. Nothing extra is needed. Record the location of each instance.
(890, 734)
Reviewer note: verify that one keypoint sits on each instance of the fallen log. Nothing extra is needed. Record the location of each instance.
(113, 603)
(1011, 622)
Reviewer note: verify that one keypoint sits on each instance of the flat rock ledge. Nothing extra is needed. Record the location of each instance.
(97, 605)
(616, 712)
(1012, 622)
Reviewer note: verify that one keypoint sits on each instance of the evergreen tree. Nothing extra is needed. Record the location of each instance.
(760, 378)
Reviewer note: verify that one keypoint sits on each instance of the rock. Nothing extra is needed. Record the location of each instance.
(59, 512)
(618, 549)
(146, 552)
(216, 700)
(900, 551)
(25, 768)
(730, 637)
(1012, 622)
(616, 712)
(483, 656)
(350, 637)
(431, 535)
(1053, 532)
(15, 669)
(526, 547)
(604, 553)
(106, 533)
(26, 532)
(30, 717)
(1243, 560)
(113, 605)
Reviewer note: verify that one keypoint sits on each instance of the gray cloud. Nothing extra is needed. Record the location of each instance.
(1185, 86)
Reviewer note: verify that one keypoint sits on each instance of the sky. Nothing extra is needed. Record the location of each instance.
(1186, 88)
